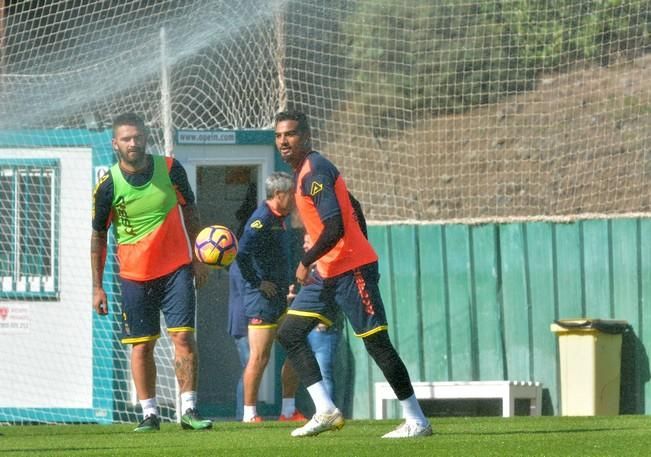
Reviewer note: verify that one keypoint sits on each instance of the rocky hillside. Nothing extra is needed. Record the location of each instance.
(578, 143)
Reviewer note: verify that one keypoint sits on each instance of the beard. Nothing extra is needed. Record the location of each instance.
(133, 156)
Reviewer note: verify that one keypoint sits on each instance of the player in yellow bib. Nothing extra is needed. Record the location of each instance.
(149, 203)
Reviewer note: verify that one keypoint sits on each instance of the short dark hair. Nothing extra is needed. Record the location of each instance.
(298, 116)
(129, 119)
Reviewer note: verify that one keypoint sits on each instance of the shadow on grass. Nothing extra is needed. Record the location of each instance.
(114, 450)
(63, 449)
(556, 430)
(542, 432)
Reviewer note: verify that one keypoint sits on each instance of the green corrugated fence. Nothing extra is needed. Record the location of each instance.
(475, 302)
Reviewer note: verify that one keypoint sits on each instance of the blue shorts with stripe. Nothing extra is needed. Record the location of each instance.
(143, 301)
(356, 293)
(261, 310)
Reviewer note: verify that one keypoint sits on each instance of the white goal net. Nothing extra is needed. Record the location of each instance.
(445, 111)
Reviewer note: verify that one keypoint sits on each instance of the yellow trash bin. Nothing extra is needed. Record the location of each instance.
(590, 360)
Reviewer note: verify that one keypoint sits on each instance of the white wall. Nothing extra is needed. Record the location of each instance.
(49, 363)
(260, 156)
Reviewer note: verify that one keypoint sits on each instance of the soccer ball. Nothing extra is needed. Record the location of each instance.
(216, 246)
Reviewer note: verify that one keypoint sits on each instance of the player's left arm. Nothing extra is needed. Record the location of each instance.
(191, 216)
(253, 244)
(359, 214)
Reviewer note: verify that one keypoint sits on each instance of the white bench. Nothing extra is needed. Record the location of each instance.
(508, 391)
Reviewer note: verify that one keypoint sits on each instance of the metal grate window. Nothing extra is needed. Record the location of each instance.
(29, 223)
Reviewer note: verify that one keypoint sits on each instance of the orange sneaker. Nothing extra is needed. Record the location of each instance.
(254, 419)
(296, 417)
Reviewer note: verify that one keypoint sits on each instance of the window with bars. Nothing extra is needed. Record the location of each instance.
(29, 228)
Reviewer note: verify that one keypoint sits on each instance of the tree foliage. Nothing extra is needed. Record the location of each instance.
(416, 59)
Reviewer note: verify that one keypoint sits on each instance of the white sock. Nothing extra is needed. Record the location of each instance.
(250, 412)
(289, 407)
(412, 411)
(149, 407)
(188, 400)
(322, 401)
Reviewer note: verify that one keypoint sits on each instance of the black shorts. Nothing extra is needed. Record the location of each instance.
(355, 292)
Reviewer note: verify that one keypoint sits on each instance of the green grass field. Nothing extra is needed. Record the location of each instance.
(520, 436)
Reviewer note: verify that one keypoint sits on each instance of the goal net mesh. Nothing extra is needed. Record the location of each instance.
(446, 111)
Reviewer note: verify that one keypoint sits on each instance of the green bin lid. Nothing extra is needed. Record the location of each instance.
(603, 325)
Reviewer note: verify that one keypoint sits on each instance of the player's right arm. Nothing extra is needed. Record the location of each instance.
(245, 253)
(97, 261)
(102, 211)
(321, 188)
(252, 244)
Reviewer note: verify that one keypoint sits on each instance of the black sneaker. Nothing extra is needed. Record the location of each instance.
(191, 420)
(150, 423)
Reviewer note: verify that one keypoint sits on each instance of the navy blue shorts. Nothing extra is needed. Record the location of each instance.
(261, 311)
(355, 292)
(143, 301)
